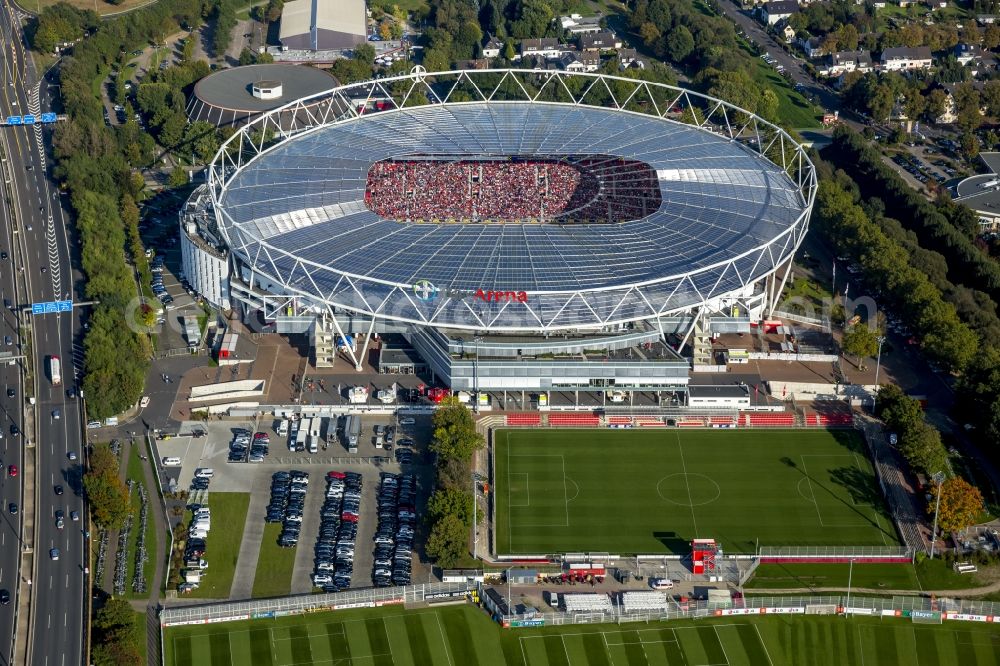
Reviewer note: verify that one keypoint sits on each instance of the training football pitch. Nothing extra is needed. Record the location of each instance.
(464, 636)
(652, 491)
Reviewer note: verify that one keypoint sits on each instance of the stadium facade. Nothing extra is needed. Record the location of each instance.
(523, 230)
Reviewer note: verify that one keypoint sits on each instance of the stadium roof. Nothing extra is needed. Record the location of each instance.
(224, 97)
(323, 24)
(728, 216)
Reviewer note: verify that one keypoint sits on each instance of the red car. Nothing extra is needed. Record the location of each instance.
(336, 475)
(12, 470)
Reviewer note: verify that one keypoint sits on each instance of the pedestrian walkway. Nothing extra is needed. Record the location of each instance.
(253, 535)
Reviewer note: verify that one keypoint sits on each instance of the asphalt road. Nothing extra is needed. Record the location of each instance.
(43, 262)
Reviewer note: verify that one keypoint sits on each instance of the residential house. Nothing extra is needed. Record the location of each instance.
(842, 62)
(778, 10)
(904, 3)
(584, 61)
(493, 48)
(478, 63)
(788, 33)
(545, 47)
(904, 58)
(599, 41)
(631, 58)
(937, 4)
(811, 46)
(966, 53)
(580, 25)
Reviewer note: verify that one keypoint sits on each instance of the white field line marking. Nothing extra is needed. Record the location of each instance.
(812, 490)
(721, 646)
(764, 645)
(565, 490)
(444, 639)
(687, 482)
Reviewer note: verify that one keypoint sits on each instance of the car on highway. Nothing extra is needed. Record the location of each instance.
(4, 597)
(74, 516)
(3, 254)
(12, 470)
(14, 430)
(11, 392)
(71, 455)
(12, 507)
(56, 414)
(7, 340)
(59, 490)
(60, 519)
(54, 554)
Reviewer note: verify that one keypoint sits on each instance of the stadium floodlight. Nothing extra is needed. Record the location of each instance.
(878, 363)
(938, 478)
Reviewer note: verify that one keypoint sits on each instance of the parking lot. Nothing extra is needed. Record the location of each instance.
(207, 445)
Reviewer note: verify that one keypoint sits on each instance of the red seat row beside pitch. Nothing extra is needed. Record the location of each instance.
(524, 419)
(583, 420)
(779, 419)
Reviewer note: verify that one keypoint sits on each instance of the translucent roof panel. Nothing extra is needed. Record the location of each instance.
(300, 208)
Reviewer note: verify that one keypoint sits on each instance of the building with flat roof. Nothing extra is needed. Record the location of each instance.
(322, 25)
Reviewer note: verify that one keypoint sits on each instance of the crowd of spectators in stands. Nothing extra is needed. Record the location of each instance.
(574, 189)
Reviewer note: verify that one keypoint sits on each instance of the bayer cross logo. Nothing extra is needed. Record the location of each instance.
(425, 290)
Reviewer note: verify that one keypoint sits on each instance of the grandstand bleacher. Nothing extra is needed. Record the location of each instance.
(577, 419)
(575, 188)
(639, 601)
(586, 602)
(526, 419)
(767, 419)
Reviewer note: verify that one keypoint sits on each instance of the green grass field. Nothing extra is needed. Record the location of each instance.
(274, 565)
(464, 636)
(652, 491)
(229, 514)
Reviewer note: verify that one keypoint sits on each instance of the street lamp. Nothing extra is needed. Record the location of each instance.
(850, 575)
(938, 478)
(878, 363)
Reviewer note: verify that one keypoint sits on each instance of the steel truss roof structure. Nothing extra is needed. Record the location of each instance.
(288, 192)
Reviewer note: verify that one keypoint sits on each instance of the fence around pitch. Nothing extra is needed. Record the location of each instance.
(309, 603)
(918, 608)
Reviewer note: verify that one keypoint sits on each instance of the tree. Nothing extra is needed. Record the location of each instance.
(364, 53)
(247, 57)
(106, 494)
(448, 541)
(861, 341)
(116, 637)
(450, 502)
(961, 504)
(508, 51)
(679, 44)
(455, 433)
(178, 177)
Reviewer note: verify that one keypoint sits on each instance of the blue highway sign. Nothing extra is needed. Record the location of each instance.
(29, 120)
(48, 117)
(51, 306)
(13, 120)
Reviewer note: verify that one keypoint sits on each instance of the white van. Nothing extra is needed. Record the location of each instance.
(171, 461)
(194, 533)
(204, 473)
(283, 427)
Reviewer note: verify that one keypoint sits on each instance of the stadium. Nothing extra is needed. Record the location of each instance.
(522, 230)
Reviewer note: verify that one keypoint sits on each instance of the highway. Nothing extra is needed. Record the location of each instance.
(40, 250)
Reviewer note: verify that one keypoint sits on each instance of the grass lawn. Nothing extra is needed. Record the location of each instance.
(652, 491)
(274, 566)
(139, 619)
(794, 110)
(229, 515)
(805, 297)
(134, 472)
(936, 575)
(463, 635)
(887, 576)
